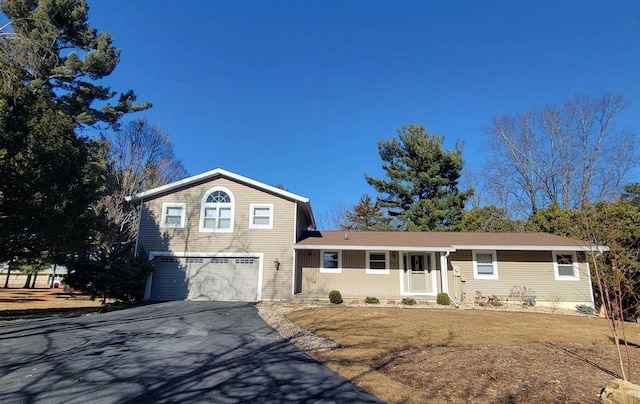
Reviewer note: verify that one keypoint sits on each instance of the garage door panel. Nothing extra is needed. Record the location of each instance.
(169, 280)
(197, 278)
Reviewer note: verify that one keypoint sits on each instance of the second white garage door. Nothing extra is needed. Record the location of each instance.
(198, 278)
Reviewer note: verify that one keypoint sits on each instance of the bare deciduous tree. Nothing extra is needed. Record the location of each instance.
(570, 155)
(141, 157)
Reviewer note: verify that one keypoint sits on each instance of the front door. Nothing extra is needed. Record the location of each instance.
(420, 274)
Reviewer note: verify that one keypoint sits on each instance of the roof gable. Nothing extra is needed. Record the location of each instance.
(210, 175)
(220, 173)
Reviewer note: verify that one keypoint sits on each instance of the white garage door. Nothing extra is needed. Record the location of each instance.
(228, 278)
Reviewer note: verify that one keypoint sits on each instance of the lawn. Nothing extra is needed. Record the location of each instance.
(407, 355)
(18, 302)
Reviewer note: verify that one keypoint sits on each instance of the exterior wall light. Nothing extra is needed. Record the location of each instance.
(276, 262)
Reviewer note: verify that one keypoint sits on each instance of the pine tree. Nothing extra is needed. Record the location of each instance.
(420, 191)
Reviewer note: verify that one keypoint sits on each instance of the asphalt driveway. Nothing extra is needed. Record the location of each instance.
(167, 352)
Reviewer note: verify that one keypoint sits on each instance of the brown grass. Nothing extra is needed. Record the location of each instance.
(422, 355)
(35, 299)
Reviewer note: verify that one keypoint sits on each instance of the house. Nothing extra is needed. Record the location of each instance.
(50, 276)
(222, 236)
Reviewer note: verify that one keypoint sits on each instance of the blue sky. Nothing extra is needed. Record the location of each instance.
(299, 92)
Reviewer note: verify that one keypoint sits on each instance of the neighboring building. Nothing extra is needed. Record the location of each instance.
(52, 276)
(222, 236)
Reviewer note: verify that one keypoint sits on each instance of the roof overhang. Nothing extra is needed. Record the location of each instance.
(371, 248)
(532, 247)
(453, 248)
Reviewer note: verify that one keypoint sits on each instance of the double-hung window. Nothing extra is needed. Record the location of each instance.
(485, 265)
(261, 216)
(331, 262)
(377, 262)
(173, 215)
(565, 266)
(217, 211)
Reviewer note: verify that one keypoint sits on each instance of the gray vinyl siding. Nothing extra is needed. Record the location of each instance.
(530, 269)
(273, 243)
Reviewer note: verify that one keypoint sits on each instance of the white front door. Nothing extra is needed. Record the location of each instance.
(421, 276)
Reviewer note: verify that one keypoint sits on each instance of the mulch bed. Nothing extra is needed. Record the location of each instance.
(530, 373)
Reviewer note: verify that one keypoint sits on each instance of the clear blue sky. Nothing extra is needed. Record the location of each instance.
(299, 92)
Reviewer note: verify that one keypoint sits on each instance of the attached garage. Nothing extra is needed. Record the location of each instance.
(233, 278)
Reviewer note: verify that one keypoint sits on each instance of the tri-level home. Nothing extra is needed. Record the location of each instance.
(223, 236)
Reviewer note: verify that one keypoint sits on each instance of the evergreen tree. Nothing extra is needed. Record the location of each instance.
(420, 191)
(50, 63)
(363, 216)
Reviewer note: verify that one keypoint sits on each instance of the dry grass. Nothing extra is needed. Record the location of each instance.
(36, 299)
(422, 355)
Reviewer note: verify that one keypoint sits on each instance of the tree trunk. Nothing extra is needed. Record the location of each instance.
(35, 278)
(6, 280)
(27, 283)
(53, 277)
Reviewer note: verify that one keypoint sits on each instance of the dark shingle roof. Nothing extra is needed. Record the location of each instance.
(439, 241)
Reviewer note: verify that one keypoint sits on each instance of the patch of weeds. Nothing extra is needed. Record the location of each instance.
(371, 300)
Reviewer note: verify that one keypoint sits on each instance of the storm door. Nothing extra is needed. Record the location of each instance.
(421, 274)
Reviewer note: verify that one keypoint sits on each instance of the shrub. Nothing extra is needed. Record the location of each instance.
(585, 309)
(525, 296)
(335, 297)
(371, 300)
(409, 301)
(443, 299)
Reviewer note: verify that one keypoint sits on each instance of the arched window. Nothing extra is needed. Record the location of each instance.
(217, 210)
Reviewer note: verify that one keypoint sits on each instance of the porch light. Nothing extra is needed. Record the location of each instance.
(276, 263)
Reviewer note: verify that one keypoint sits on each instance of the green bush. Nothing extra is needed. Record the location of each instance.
(335, 297)
(443, 299)
(409, 301)
(585, 309)
(371, 300)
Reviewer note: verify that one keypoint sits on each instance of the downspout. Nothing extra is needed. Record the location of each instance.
(453, 302)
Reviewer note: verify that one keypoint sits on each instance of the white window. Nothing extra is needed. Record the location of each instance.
(377, 262)
(331, 262)
(261, 216)
(565, 266)
(173, 214)
(485, 265)
(217, 211)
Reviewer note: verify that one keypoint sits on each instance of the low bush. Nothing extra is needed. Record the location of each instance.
(335, 297)
(585, 309)
(409, 301)
(443, 299)
(371, 300)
